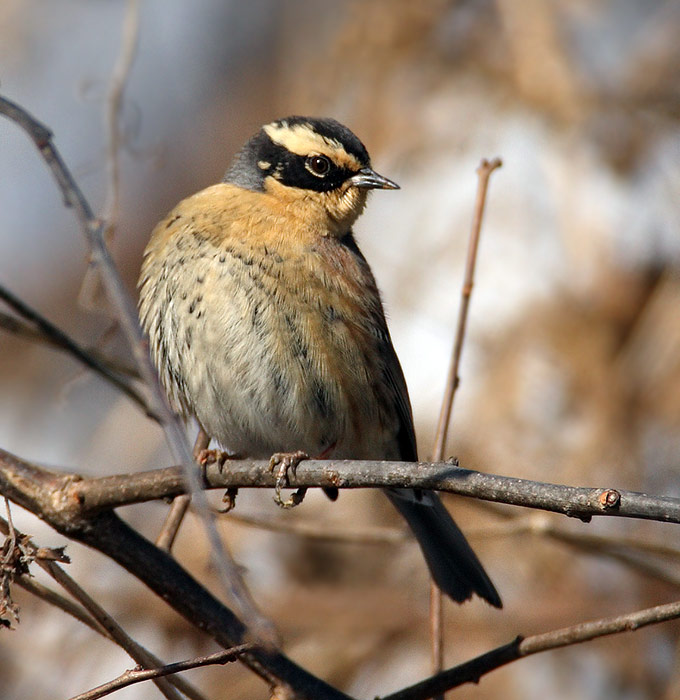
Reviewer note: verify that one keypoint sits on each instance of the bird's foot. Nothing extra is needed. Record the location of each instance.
(218, 457)
(281, 463)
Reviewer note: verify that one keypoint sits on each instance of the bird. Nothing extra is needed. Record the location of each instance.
(266, 324)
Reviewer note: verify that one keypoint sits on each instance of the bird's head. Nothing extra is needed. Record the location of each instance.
(314, 167)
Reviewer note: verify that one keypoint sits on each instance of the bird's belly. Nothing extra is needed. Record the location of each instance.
(269, 372)
(256, 398)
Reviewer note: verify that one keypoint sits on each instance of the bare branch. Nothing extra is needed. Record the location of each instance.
(119, 78)
(137, 676)
(80, 495)
(471, 671)
(91, 292)
(632, 552)
(58, 601)
(484, 173)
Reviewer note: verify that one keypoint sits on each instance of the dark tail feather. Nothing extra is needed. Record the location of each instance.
(452, 563)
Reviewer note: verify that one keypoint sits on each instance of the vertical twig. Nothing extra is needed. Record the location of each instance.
(483, 173)
(452, 381)
(114, 101)
(180, 505)
(91, 288)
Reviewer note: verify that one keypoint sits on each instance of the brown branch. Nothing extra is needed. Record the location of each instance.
(78, 495)
(137, 676)
(616, 549)
(56, 337)
(471, 671)
(483, 173)
(100, 257)
(114, 630)
(23, 330)
(17, 327)
(37, 589)
(114, 103)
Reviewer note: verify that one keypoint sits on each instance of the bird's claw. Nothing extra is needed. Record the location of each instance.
(281, 463)
(229, 499)
(219, 457)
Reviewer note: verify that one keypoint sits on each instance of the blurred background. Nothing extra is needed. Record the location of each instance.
(571, 369)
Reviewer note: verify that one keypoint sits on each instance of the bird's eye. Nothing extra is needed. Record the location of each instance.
(318, 165)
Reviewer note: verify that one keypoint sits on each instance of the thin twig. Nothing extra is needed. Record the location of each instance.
(180, 505)
(116, 93)
(609, 547)
(91, 286)
(436, 631)
(135, 650)
(21, 329)
(471, 671)
(228, 572)
(137, 676)
(59, 339)
(483, 173)
(59, 601)
(16, 326)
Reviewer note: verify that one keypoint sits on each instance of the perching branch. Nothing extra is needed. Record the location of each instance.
(47, 494)
(66, 494)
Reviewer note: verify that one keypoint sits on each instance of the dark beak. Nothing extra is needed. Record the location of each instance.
(370, 180)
